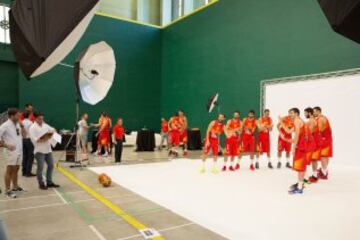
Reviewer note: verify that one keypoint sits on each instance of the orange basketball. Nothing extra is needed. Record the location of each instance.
(104, 180)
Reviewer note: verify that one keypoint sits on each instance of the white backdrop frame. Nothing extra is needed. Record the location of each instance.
(310, 77)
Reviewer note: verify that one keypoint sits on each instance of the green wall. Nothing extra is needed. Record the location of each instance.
(9, 85)
(135, 94)
(234, 44)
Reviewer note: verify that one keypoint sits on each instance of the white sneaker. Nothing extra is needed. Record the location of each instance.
(105, 154)
(215, 170)
(10, 194)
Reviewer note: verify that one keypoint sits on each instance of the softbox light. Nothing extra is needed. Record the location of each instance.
(94, 72)
(343, 16)
(212, 102)
(43, 32)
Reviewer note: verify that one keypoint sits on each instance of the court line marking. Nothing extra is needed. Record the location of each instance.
(115, 208)
(162, 230)
(64, 202)
(97, 233)
(34, 207)
(60, 196)
(27, 198)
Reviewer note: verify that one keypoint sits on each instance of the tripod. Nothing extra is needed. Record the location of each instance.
(77, 160)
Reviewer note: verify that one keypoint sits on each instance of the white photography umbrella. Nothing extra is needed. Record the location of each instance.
(94, 72)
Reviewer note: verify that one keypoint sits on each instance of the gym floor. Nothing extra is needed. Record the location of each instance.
(71, 213)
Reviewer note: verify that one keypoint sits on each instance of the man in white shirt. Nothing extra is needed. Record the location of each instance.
(11, 138)
(83, 133)
(41, 134)
(28, 147)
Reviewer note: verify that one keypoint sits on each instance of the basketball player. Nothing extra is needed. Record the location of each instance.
(183, 130)
(265, 126)
(174, 135)
(212, 141)
(232, 131)
(311, 148)
(286, 128)
(104, 134)
(299, 151)
(248, 138)
(325, 142)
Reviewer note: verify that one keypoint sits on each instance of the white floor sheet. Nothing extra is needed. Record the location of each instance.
(246, 205)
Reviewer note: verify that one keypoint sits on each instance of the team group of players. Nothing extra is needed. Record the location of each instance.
(308, 142)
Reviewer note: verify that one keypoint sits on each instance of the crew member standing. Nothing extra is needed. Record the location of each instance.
(28, 147)
(40, 134)
(118, 139)
(11, 134)
(83, 134)
(28, 108)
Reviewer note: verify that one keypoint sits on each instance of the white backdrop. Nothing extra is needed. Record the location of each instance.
(339, 98)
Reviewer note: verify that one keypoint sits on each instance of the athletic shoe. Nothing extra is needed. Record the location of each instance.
(232, 168)
(288, 165)
(278, 165)
(52, 185)
(43, 187)
(215, 170)
(252, 167)
(296, 190)
(105, 154)
(10, 194)
(18, 189)
(31, 175)
(170, 153)
(270, 165)
(237, 166)
(313, 179)
(257, 165)
(322, 176)
(306, 181)
(185, 153)
(224, 168)
(202, 169)
(293, 186)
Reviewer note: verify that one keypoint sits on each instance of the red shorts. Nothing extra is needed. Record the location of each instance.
(104, 138)
(184, 137)
(248, 143)
(232, 146)
(326, 148)
(316, 153)
(300, 162)
(213, 146)
(263, 144)
(310, 149)
(284, 145)
(174, 137)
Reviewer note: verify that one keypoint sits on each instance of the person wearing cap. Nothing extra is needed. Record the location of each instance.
(41, 134)
(11, 134)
